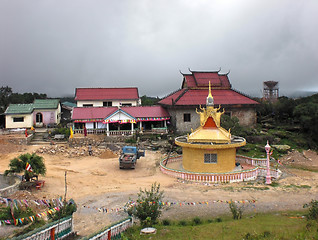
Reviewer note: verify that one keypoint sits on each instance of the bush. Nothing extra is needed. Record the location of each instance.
(60, 130)
(236, 211)
(274, 184)
(313, 210)
(218, 220)
(196, 221)
(67, 210)
(148, 205)
(166, 222)
(182, 223)
(130, 140)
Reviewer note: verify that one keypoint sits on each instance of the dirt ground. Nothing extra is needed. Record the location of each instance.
(97, 183)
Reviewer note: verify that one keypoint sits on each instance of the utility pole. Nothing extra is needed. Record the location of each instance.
(65, 188)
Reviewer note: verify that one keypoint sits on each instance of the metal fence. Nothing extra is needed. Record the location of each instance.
(55, 230)
(113, 232)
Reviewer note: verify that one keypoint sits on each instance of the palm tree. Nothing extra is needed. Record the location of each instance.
(18, 165)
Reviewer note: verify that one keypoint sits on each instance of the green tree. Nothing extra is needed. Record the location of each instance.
(284, 109)
(307, 114)
(313, 210)
(148, 207)
(149, 101)
(232, 123)
(5, 93)
(18, 165)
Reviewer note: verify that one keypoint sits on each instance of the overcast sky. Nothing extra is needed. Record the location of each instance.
(55, 46)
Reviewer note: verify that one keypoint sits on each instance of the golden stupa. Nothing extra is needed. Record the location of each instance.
(210, 129)
(210, 148)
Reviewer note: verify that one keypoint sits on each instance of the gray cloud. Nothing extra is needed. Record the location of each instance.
(55, 46)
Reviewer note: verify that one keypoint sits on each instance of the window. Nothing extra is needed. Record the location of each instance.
(87, 105)
(18, 119)
(107, 104)
(187, 117)
(210, 158)
(126, 104)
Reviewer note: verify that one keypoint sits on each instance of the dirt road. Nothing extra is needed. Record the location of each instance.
(97, 183)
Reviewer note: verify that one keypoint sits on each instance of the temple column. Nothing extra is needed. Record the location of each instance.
(140, 127)
(132, 128)
(165, 125)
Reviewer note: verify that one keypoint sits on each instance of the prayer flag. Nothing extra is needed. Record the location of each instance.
(71, 132)
(28, 167)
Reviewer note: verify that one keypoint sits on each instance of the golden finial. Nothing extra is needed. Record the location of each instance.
(209, 99)
(210, 94)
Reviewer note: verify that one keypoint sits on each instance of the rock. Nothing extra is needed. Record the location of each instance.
(281, 147)
(148, 230)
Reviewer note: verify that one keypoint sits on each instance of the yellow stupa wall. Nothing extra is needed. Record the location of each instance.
(193, 159)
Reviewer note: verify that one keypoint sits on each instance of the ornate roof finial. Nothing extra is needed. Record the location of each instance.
(209, 99)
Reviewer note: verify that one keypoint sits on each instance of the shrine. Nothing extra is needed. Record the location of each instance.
(210, 148)
(209, 153)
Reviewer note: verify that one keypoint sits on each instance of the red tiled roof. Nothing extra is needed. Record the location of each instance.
(103, 112)
(92, 112)
(106, 93)
(202, 79)
(146, 111)
(190, 97)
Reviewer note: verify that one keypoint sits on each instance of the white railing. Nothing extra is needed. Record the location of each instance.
(237, 176)
(91, 131)
(252, 161)
(58, 229)
(112, 232)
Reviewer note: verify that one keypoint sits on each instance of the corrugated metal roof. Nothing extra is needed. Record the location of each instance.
(46, 103)
(92, 112)
(146, 111)
(81, 113)
(69, 104)
(19, 109)
(202, 79)
(198, 97)
(106, 94)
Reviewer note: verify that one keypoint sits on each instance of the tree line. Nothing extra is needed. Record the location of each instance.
(302, 113)
(7, 96)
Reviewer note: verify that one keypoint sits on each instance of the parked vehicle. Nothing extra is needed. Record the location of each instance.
(129, 155)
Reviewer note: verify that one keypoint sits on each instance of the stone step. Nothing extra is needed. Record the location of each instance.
(47, 143)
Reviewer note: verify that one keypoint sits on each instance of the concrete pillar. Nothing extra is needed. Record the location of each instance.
(107, 129)
(140, 127)
(132, 128)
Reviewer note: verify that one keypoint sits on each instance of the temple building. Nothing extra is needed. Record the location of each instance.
(210, 148)
(182, 103)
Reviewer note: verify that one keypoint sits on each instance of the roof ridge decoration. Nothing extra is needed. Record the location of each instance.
(204, 71)
(195, 80)
(171, 93)
(180, 96)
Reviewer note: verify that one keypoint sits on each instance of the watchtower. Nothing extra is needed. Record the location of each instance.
(270, 91)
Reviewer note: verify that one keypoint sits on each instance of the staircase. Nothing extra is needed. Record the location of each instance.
(40, 138)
